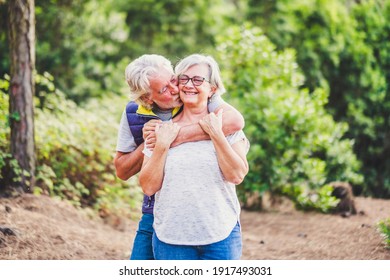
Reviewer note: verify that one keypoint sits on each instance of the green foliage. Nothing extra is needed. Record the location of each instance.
(320, 200)
(4, 46)
(4, 126)
(9, 167)
(384, 229)
(84, 50)
(74, 151)
(343, 46)
(74, 148)
(4, 103)
(174, 28)
(86, 44)
(294, 141)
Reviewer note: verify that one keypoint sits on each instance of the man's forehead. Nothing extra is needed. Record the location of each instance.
(167, 70)
(164, 74)
(161, 79)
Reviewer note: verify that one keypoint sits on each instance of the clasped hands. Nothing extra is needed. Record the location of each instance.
(166, 132)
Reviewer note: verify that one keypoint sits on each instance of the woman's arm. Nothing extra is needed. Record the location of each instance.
(152, 171)
(232, 122)
(231, 158)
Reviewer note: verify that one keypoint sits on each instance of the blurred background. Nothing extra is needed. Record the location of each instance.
(310, 77)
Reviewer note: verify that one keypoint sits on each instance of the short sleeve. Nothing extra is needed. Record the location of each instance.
(125, 142)
(238, 136)
(214, 102)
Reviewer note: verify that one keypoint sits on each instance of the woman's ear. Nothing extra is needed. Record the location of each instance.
(212, 91)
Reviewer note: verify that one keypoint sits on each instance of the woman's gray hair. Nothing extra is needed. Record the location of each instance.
(139, 72)
(214, 72)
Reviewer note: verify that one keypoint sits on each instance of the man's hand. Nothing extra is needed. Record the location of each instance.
(149, 134)
(212, 123)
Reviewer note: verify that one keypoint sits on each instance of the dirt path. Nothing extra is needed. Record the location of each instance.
(294, 235)
(49, 229)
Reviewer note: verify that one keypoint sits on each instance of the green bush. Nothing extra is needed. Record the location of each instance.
(9, 167)
(384, 229)
(294, 141)
(343, 46)
(75, 147)
(4, 126)
(321, 200)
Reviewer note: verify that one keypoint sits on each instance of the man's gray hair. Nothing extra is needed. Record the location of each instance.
(139, 72)
(214, 72)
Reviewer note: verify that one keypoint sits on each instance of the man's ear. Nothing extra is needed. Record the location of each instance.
(147, 98)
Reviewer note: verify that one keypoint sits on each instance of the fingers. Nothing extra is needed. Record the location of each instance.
(205, 124)
(149, 127)
(150, 142)
(167, 126)
(150, 139)
(212, 123)
(166, 133)
(170, 127)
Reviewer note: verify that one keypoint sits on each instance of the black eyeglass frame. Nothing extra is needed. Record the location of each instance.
(196, 80)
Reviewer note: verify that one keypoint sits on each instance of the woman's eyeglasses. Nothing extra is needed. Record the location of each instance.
(196, 80)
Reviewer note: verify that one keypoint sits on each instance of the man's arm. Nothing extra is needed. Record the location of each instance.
(128, 164)
(233, 121)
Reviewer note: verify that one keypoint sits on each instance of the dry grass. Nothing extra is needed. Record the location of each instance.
(50, 229)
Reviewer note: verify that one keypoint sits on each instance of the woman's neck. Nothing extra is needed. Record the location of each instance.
(191, 115)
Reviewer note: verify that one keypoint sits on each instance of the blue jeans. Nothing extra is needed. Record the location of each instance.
(142, 247)
(228, 249)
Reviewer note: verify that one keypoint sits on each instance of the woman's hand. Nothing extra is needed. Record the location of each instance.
(166, 133)
(212, 124)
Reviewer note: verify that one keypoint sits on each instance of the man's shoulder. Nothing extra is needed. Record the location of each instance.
(139, 110)
(131, 107)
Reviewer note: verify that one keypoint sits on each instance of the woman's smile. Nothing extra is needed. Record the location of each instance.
(190, 92)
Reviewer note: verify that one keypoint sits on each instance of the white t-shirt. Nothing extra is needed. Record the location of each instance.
(125, 140)
(195, 205)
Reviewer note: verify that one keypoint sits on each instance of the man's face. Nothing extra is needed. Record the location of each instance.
(164, 90)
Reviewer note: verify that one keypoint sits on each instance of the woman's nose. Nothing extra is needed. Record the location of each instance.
(189, 84)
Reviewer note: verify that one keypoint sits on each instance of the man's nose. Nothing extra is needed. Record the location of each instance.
(174, 89)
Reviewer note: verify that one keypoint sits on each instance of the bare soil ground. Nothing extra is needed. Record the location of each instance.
(45, 228)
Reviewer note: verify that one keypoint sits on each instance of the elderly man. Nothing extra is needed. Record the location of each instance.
(154, 91)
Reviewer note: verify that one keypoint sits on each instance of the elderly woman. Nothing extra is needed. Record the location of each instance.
(196, 207)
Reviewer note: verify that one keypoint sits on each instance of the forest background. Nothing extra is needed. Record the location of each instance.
(310, 77)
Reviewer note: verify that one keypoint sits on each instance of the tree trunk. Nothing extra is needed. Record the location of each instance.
(21, 109)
